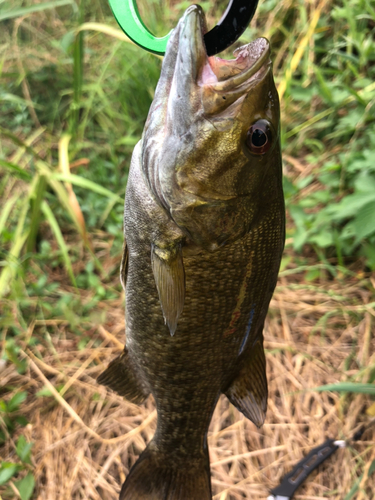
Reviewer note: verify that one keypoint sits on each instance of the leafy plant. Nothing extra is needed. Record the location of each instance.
(336, 95)
(9, 418)
(9, 415)
(8, 470)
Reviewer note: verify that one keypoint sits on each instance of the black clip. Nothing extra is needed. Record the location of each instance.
(233, 23)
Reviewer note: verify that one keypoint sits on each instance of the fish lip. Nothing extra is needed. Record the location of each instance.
(191, 49)
(250, 61)
(202, 19)
(220, 74)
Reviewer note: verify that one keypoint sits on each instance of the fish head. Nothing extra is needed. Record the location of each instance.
(211, 149)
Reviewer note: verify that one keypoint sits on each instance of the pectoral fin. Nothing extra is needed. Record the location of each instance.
(248, 392)
(121, 378)
(169, 274)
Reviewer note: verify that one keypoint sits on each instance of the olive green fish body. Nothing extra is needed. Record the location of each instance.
(204, 230)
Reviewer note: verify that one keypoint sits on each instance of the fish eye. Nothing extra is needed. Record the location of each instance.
(259, 137)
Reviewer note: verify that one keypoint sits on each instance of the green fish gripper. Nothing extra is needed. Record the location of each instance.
(230, 27)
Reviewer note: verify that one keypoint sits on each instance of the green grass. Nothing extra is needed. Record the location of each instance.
(74, 95)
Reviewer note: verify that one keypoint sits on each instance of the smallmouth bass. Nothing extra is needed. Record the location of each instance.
(204, 230)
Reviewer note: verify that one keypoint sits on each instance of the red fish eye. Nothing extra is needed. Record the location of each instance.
(259, 137)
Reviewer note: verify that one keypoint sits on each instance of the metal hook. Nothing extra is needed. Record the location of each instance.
(236, 18)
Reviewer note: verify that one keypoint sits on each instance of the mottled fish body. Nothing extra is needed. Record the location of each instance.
(204, 231)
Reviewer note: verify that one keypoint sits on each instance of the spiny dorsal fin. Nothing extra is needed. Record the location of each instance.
(169, 275)
(248, 392)
(124, 264)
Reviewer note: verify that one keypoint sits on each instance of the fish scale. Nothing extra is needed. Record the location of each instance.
(204, 229)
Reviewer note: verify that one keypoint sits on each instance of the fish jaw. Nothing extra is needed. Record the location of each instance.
(175, 103)
(193, 154)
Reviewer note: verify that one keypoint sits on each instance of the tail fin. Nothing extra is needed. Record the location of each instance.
(154, 478)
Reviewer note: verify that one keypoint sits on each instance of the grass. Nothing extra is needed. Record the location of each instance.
(74, 96)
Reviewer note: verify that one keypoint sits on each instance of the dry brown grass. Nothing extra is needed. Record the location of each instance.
(86, 438)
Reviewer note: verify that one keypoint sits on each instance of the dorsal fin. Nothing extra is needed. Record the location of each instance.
(124, 264)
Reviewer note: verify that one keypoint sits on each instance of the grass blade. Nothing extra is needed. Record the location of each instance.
(6, 211)
(355, 487)
(347, 387)
(61, 192)
(60, 240)
(303, 44)
(7, 97)
(77, 74)
(10, 267)
(65, 169)
(107, 30)
(53, 180)
(36, 199)
(110, 31)
(19, 239)
(87, 184)
(319, 116)
(15, 170)
(23, 145)
(24, 11)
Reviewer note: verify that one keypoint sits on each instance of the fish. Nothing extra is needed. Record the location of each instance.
(204, 229)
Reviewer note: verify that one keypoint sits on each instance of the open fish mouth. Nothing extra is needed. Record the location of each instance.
(222, 81)
(225, 74)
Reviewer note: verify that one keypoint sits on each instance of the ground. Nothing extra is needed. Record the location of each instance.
(86, 437)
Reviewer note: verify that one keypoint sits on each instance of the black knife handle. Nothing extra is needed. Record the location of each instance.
(296, 477)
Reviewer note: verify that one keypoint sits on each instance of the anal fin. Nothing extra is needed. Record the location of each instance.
(169, 275)
(121, 378)
(248, 391)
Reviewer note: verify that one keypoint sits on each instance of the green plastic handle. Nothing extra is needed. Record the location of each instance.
(127, 16)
